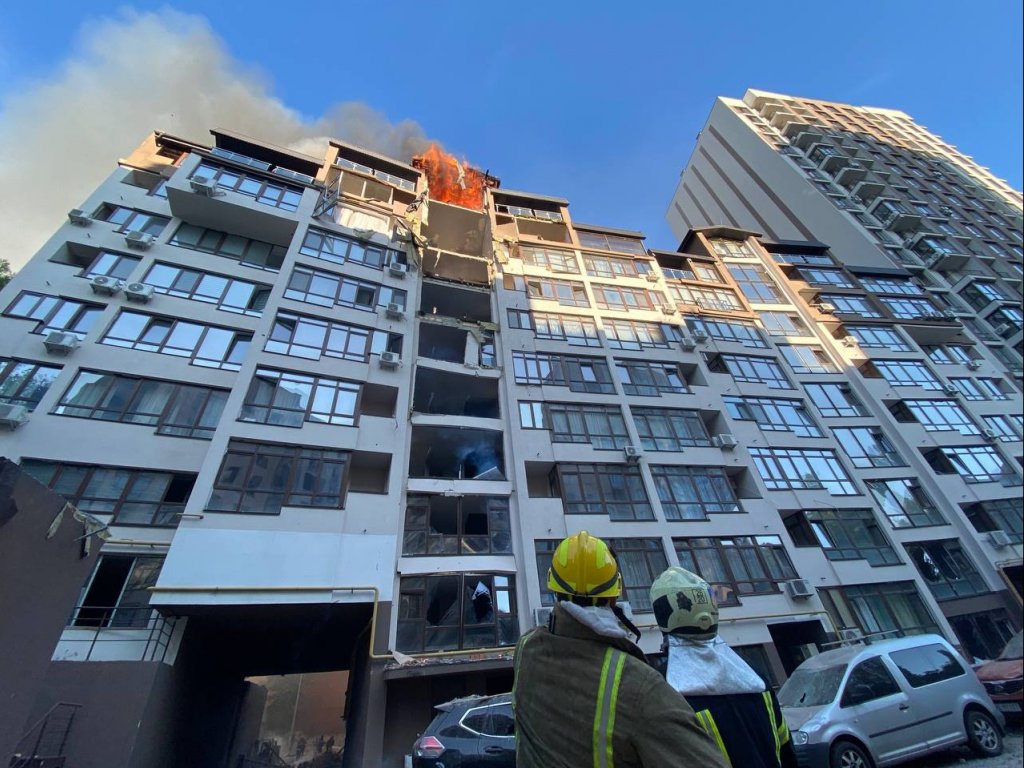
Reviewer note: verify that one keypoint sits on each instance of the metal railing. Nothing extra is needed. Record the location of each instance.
(42, 745)
(141, 625)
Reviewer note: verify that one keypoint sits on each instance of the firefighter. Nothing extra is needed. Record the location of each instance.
(731, 701)
(584, 694)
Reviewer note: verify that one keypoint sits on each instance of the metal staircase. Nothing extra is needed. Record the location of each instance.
(42, 745)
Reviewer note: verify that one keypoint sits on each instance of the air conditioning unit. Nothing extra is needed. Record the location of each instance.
(105, 285)
(138, 292)
(990, 434)
(998, 539)
(79, 217)
(541, 616)
(950, 389)
(395, 310)
(665, 310)
(390, 360)
(850, 635)
(826, 308)
(725, 442)
(203, 186)
(687, 343)
(59, 342)
(632, 454)
(1002, 329)
(140, 240)
(397, 269)
(12, 416)
(651, 277)
(949, 314)
(700, 336)
(799, 589)
(850, 341)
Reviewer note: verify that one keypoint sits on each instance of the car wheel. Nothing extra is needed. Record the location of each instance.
(846, 754)
(983, 735)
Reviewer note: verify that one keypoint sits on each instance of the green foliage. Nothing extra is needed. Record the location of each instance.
(5, 272)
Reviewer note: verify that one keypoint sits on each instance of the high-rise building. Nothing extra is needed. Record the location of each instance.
(881, 190)
(327, 418)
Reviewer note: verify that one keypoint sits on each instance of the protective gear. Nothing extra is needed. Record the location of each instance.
(583, 566)
(684, 605)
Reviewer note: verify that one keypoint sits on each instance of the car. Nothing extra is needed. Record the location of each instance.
(1003, 677)
(470, 732)
(881, 703)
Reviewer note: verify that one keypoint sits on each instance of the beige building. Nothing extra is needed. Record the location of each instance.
(336, 412)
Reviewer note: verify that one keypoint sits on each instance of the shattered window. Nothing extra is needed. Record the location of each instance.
(449, 612)
(456, 525)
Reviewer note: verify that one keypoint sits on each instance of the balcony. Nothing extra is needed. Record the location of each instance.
(895, 216)
(805, 135)
(851, 174)
(868, 190)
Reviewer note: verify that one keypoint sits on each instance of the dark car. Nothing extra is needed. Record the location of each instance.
(1003, 677)
(472, 732)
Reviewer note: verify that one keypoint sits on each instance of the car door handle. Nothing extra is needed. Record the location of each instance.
(904, 707)
(494, 750)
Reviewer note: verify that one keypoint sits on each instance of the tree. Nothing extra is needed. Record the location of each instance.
(5, 272)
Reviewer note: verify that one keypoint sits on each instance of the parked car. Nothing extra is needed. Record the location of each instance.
(1003, 677)
(471, 732)
(882, 703)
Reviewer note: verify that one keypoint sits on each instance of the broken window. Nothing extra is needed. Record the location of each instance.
(455, 394)
(579, 374)
(466, 304)
(457, 453)
(566, 292)
(443, 342)
(456, 611)
(117, 594)
(615, 490)
(608, 242)
(456, 525)
(549, 258)
(339, 249)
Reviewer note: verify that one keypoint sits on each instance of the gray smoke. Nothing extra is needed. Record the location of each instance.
(137, 73)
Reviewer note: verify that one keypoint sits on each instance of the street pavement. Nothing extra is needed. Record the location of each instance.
(1012, 757)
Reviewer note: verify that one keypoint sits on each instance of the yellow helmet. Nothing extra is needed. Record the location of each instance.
(583, 566)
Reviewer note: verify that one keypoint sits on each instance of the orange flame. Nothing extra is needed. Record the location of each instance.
(451, 181)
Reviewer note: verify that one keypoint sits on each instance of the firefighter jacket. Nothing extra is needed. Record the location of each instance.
(584, 695)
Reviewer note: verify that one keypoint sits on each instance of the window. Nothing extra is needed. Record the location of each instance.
(905, 503)
(130, 496)
(247, 252)
(647, 379)
(609, 266)
(740, 566)
(326, 289)
(773, 414)
(625, 299)
(24, 383)
(738, 331)
(885, 609)
(490, 720)
(937, 416)
(869, 680)
(55, 314)
(117, 595)
(669, 429)
(946, 569)
(756, 285)
(999, 426)
(979, 295)
(577, 331)
(992, 388)
(997, 515)
(339, 249)
(816, 259)
(311, 338)
(606, 242)
(600, 425)
(448, 612)
(880, 337)
(635, 335)
(908, 309)
(1006, 321)
(804, 359)
(110, 264)
(868, 447)
(261, 478)
(850, 305)
(180, 410)
(579, 374)
(795, 469)
(287, 399)
(615, 490)
(843, 534)
(892, 285)
(907, 373)
(948, 354)
(927, 664)
(565, 292)
(227, 293)
(456, 525)
(975, 464)
(720, 299)
(783, 324)
(262, 190)
(968, 388)
(735, 248)
(205, 345)
(756, 370)
(833, 277)
(548, 258)
(640, 562)
(692, 493)
(130, 220)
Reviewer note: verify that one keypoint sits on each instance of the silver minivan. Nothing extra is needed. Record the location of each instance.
(885, 702)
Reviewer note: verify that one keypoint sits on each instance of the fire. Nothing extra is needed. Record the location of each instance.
(451, 181)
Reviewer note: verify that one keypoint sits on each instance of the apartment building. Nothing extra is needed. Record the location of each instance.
(335, 413)
(880, 189)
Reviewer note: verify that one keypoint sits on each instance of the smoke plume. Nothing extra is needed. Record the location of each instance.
(137, 73)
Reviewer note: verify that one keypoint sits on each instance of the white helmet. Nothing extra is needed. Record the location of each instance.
(684, 604)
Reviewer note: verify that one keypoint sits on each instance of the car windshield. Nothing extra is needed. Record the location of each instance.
(811, 688)
(1014, 649)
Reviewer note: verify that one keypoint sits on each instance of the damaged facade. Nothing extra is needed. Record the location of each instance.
(346, 409)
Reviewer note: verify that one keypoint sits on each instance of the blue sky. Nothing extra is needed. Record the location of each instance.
(597, 102)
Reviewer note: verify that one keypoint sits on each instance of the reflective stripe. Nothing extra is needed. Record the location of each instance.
(707, 721)
(775, 728)
(604, 713)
